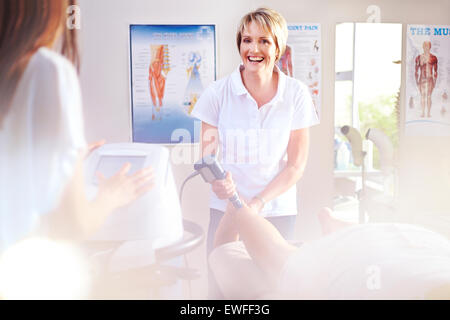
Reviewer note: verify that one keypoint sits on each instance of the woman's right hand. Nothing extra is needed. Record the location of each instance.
(224, 189)
(121, 189)
(77, 217)
(113, 193)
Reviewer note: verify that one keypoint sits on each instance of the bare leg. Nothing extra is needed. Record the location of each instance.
(268, 249)
(226, 231)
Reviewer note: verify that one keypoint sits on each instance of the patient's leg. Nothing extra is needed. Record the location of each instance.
(226, 231)
(237, 274)
(268, 249)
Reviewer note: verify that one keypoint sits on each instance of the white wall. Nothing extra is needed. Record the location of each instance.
(105, 85)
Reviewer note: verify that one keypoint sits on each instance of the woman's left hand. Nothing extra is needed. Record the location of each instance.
(255, 204)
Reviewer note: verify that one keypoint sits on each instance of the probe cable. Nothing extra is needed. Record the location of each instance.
(185, 255)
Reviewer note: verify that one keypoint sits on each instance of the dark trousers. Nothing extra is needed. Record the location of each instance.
(284, 224)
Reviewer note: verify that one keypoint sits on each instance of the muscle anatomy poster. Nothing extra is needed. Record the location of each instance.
(427, 81)
(170, 65)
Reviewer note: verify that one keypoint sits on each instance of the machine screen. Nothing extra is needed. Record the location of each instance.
(110, 165)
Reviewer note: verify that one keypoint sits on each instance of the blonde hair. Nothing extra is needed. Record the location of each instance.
(272, 22)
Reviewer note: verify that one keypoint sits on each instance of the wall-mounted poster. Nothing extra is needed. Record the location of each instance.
(428, 81)
(302, 59)
(170, 65)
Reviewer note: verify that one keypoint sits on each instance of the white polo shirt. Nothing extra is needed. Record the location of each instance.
(253, 142)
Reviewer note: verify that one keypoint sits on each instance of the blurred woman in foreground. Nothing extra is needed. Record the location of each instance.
(42, 143)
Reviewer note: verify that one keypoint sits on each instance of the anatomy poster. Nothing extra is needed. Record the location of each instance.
(428, 81)
(302, 59)
(171, 65)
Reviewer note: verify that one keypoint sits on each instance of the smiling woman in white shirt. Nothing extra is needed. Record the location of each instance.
(257, 119)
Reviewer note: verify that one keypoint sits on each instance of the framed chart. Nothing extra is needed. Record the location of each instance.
(170, 66)
(303, 59)
(427, 81)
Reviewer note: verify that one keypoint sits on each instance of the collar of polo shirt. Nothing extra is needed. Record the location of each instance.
(240, 89)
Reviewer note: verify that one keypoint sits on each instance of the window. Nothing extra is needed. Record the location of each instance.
(367, 86)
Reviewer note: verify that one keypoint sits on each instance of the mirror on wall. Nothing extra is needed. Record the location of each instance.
(367, 93)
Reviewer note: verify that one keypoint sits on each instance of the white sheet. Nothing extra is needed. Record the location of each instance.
(371, 261)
